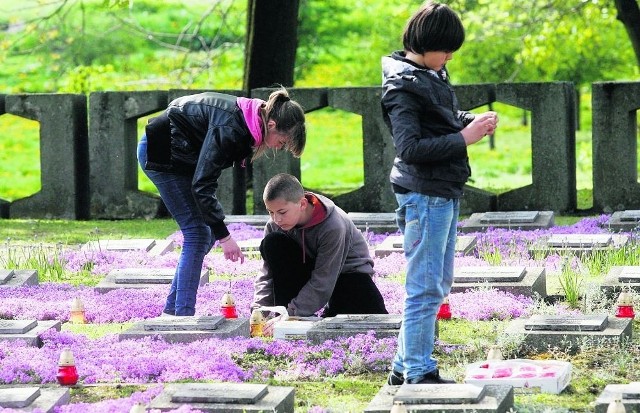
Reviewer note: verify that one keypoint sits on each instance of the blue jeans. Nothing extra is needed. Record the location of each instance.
(175, 191)
(429, 227)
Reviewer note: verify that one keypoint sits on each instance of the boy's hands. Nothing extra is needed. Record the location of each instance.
(484, 124)
(232, 250)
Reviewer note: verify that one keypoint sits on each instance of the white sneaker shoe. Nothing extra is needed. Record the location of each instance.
(166, 315)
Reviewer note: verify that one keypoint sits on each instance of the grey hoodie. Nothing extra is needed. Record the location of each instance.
(337, 246)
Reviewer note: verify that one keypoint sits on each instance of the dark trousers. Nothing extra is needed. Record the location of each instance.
(354, 293)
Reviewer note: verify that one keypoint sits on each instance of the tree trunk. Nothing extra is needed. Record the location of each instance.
(629, 15)
(270, 56)
(270, 53)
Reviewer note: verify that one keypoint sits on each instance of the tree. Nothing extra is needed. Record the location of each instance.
(629, 15)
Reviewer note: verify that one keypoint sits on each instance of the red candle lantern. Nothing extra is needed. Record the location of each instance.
(445, 310)
(67, 373)
(228, 306)
(625, 306)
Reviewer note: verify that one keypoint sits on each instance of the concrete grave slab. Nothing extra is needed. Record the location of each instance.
(188, 329)
(619, 279)
(18, 278)
(348, 325)
(567, 332)
(29, 398)
(577, 244)
(517, 280)
(379, 222)
(226, 397)
(522, 220)
(141, 278)
(465, 245)
(28, 331)
(628, 393)
(258, 221)
(444, 398)
(627, 220)
(151, 246)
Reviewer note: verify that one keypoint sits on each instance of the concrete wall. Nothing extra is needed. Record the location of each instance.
(89, 166)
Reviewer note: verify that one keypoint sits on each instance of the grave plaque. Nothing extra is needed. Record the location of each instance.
(629, 275)
(18, 397)
(632, 391)
(17, 326)
(489, 274)
(579, 240)
(144, 276)
(219, 393)
(439, 394)
(513, 217)
(252, 244)
(363, 321)
(630, 215)
(6, 275)
(189, 323)
(567, 323)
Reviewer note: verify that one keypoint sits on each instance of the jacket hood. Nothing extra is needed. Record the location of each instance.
(397, 65)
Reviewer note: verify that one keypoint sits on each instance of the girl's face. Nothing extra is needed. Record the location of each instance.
(275, 139)
(436, 60)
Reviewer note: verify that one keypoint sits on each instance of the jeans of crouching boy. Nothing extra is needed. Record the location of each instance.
(429, 227)
(175, 191)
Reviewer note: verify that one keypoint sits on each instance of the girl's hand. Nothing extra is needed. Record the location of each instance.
(231, 249)
(483, 125)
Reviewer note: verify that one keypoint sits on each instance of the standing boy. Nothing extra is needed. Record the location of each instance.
(430, 135)
(314, 256)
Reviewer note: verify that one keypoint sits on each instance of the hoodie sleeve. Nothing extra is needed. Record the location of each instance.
(332, 247)
(263, 283)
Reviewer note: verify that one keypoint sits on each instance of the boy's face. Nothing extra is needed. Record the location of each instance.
(284, 213)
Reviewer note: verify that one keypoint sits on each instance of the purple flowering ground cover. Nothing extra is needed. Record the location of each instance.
(151, 361)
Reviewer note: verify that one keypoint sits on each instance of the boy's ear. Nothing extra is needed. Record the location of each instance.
(304, 202)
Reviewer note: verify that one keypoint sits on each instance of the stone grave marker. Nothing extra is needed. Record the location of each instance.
(465, 245)
(188, 329)
(258, 221)
(250, 247)
(518, 280)
(226, 397)
(141, 278)
(439, 394)
(628, 393)
(626, 220)
(18, 278)
(379, 222)
(444, 398)
(26, 398)
(151, 246)
(347, 325)
(523, 220)
(568, 331)
(577, 243)
(621, 278)
(28, 331)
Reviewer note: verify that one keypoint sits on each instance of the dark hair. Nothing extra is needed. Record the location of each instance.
(283, 186)
(289, 118)
(433, 28)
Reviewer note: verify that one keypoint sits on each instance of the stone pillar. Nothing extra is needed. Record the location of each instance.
(553, 146)
(64, 169)
(469, 98)
(4, 204)
(283, 162)
(615, 148)
(376, 194)
(113, 139)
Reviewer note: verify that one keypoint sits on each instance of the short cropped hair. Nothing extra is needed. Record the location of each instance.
(283, 186)
(433, 28)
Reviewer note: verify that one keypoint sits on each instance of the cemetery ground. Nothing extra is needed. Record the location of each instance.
(333, 376)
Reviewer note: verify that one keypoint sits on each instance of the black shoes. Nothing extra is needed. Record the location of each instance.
(395, 378)
(434, 378)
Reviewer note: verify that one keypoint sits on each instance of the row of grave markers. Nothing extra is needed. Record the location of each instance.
(539, 332)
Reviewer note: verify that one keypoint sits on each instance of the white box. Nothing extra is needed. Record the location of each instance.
(292, 329)
(544, 376)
